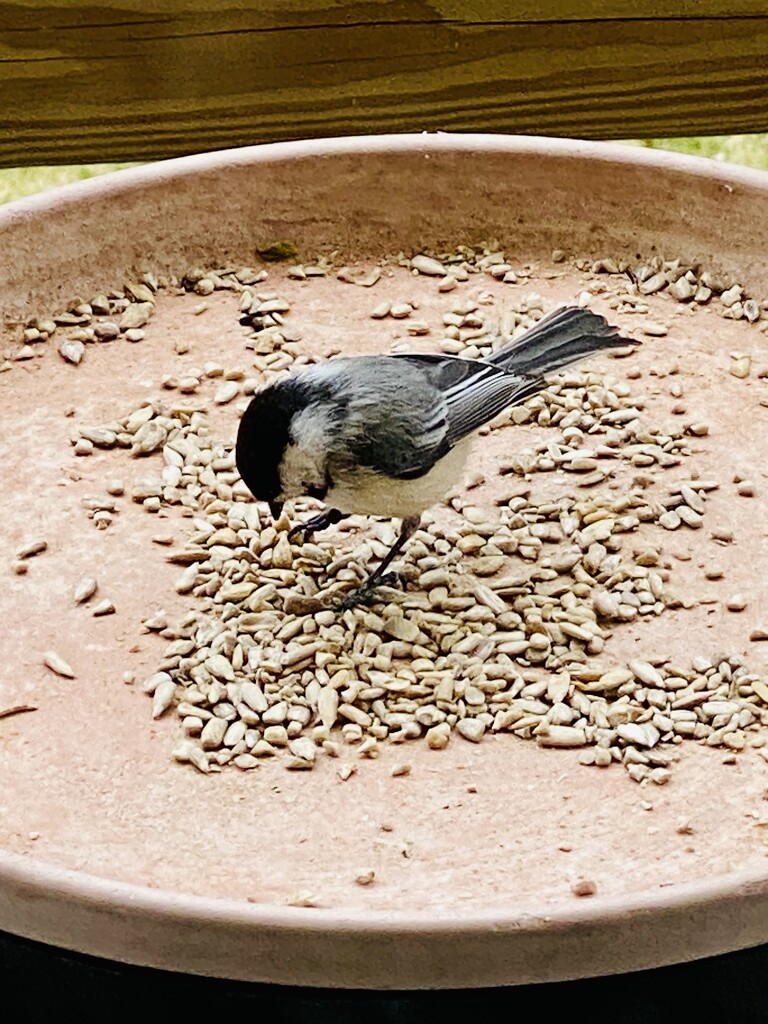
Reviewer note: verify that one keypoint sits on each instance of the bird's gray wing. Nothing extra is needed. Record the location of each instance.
(386, 419)
(473, 391)
(401, 423)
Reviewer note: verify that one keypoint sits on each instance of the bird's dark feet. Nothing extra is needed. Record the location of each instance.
(391, 579)
(368, 593)
(322, 521)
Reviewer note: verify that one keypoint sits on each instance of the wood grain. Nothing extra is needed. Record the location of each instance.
(145, 79)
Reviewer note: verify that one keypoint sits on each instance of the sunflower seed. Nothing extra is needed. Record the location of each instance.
(438, 736)
(427, 265)
(163, 697)
(643, 735)
(471, 729)
(57, 664)
(213, 733)
(328, 706)
(584, 887)
(34, 547)
(740, 367)
(303, 749)
(560, 736)
(224, 394)
(71, 351)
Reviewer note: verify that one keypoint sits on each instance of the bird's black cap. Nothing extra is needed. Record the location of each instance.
(263, 436)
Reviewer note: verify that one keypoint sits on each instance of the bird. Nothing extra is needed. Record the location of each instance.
(389, 435)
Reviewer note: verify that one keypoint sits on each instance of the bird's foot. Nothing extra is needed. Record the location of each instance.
(368, 593)
(322, 521)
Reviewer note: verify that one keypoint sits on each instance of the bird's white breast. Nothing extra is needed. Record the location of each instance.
(368, 493)
(360, 490)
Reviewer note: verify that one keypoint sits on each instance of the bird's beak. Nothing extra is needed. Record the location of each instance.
(276, 508)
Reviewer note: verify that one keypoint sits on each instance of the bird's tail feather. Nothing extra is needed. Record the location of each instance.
(563, 337)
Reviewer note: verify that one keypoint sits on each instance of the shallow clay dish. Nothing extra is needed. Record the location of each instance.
(110, 848)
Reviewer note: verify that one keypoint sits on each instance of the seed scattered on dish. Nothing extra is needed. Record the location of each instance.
(18, 709)
(584, 887)
(506, 622)
(34, 547)
(85, 589)
(57, 664)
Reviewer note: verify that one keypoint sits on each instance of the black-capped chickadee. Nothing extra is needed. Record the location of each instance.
(390, 435)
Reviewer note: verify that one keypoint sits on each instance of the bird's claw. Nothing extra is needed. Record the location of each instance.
(392, 579)
(322, 521)
(368, 593)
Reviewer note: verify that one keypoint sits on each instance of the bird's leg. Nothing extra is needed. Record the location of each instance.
(409, 527)
(319, 522)
(380, 577)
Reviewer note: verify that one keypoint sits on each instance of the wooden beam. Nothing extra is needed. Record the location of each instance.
(143, 79)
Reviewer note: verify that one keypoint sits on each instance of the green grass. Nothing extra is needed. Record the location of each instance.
(751, 150)
(16, 182)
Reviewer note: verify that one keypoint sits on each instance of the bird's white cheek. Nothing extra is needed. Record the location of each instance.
(300, 469)
(303, 466)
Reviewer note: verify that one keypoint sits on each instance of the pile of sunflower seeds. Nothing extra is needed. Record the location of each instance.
(123, 314)
(264, 666)
(683, 282)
